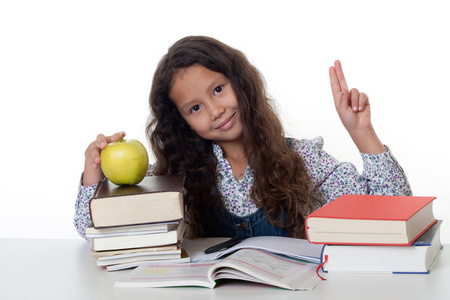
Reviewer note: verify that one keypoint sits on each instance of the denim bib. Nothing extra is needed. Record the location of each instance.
(230, 225)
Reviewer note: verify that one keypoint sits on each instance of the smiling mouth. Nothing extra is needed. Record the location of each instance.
(227, 123)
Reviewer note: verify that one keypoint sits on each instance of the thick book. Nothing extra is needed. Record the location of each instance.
(155, 199)
(91, 231)
(246, 264)
(371, 220)
(171, 237)
(417, 258)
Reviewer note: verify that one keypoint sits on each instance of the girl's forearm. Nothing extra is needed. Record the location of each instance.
(367, 141)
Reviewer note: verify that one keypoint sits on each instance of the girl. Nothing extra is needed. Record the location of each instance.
(212, 121)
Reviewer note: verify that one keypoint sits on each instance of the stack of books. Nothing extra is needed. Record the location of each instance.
(376, 234)
(139, 224)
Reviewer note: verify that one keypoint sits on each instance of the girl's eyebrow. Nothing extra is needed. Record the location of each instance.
(215, 82)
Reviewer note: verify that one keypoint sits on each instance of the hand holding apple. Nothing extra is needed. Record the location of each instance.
(92, 173)
(124, 162)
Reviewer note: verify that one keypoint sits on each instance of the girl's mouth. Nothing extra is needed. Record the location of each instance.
(228, 123)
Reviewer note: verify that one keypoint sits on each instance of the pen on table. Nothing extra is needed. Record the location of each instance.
(224, 245)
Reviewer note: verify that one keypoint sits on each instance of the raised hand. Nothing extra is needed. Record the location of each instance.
(352, 106)
(92, 171)
(354, 111)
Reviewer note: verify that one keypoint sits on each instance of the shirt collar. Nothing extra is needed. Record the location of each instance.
(218, 152)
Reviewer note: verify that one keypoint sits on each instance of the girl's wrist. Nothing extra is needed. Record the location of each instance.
(367, 141)
(92, 176)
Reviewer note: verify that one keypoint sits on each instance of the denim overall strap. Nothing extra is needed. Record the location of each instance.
(256, 224)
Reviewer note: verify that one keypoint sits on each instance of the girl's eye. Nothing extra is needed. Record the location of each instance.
(195, 108)
(218, 90)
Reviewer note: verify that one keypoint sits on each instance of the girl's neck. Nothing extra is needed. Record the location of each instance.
(236, 155)
(233, 149)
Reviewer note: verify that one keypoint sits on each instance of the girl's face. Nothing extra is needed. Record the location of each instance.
(207, 101)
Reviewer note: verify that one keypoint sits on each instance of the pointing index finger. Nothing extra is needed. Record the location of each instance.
(115, 137)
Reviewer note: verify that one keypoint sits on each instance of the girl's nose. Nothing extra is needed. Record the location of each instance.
(216, 109)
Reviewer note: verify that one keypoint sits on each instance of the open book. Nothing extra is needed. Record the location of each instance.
(291, 247)
(245, 264)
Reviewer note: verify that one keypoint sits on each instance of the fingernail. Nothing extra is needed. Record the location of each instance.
(355, 108)
(360, 108)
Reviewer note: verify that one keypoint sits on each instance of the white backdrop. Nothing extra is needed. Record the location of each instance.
(72, 69)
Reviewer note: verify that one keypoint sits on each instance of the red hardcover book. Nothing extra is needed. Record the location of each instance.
(371, 220)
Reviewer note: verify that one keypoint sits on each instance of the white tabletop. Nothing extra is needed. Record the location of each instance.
(65, 269)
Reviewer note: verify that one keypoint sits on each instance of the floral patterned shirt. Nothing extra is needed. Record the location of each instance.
(382, 175)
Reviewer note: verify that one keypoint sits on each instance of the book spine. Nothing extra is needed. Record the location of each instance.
(306, 229)
(97, 188)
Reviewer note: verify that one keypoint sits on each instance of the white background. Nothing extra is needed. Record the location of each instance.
(72, 69)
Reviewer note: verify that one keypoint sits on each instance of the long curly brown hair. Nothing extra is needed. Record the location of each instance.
(281, 183)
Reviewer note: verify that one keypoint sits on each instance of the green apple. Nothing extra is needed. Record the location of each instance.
(124, 162)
